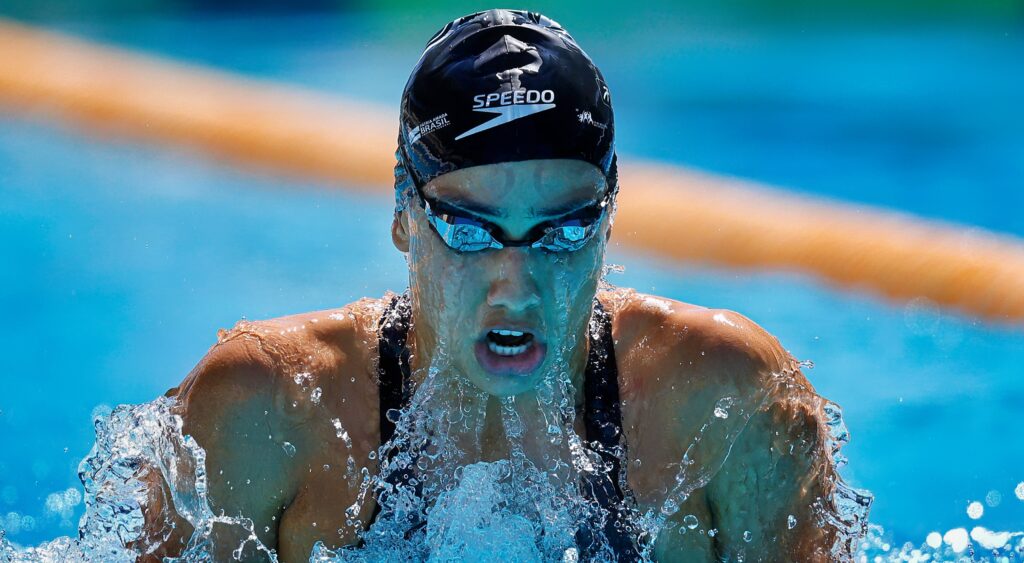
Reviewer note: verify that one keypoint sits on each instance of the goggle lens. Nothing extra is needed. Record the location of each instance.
(464, 234)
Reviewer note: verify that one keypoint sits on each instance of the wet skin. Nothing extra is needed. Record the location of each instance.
(675, 361)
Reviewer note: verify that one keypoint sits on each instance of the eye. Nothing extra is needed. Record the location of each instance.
(456, 220)
(565, 237)
(568, 234)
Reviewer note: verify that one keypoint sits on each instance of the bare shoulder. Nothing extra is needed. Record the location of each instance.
(677, 364)
(664, 341)
(278, 358)
(723, 392)
(274, 400)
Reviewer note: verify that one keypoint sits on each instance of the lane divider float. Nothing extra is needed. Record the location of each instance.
(665, 210)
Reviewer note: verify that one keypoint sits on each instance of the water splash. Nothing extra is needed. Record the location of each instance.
(135, 445)
(442, 494)
(957, 544)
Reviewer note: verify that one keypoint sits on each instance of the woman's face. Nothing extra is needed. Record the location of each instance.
(506, 316)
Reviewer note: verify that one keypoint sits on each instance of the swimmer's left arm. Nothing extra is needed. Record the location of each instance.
(768, 499)
(743, 446)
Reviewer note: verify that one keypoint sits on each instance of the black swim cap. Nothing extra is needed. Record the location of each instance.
(502, 86)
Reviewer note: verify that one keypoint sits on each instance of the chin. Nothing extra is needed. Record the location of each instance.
(502, 385)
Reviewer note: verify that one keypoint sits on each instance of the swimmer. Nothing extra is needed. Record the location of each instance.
(506, 185)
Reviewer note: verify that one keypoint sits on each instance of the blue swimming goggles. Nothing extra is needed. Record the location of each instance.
(463, 233)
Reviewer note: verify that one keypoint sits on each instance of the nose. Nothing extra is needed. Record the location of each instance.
(514, 287)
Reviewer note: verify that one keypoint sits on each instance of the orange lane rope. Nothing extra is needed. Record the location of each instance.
(666, 210)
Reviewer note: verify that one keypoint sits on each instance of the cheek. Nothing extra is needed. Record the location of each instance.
(440, 277)
(574, 273)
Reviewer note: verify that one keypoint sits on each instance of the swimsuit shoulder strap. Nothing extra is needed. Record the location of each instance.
(393, 362)
(393, 379)
(602, 414)
(603, 422)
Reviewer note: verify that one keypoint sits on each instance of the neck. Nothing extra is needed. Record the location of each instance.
(496, 427)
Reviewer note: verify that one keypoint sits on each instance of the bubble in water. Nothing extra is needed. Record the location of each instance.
(11, 523)
(956, 539)
(315, 395)
(975, 510)
(1019, 490)
(989, 539)
(289, 449)
(722, 407)
(690, 521)
(713, 532)
(993, 498)
(747, 536)
(791, 522)
(63, 503)
(934, 540)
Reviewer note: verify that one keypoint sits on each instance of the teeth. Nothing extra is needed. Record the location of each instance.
(508, 332)
(507, 350)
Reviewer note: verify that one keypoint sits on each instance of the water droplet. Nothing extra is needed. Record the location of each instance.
(957, 539)
(340, 432)
(722, 407)
(993, 498)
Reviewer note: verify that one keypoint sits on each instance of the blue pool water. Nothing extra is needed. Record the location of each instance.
(119, 262)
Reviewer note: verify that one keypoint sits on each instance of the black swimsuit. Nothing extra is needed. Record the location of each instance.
(602, 413)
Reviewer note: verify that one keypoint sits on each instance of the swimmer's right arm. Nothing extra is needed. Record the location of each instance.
(229, 405)
(238, 409)
(273, 455)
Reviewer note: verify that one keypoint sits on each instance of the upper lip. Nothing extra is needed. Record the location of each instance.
(512, 325)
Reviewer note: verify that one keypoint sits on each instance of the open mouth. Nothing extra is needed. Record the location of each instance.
(508, 342)
(508, 351)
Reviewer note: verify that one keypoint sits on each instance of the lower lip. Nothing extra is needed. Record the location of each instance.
(517, 365)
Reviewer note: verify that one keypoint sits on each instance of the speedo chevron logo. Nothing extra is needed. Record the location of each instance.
(509, 106)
